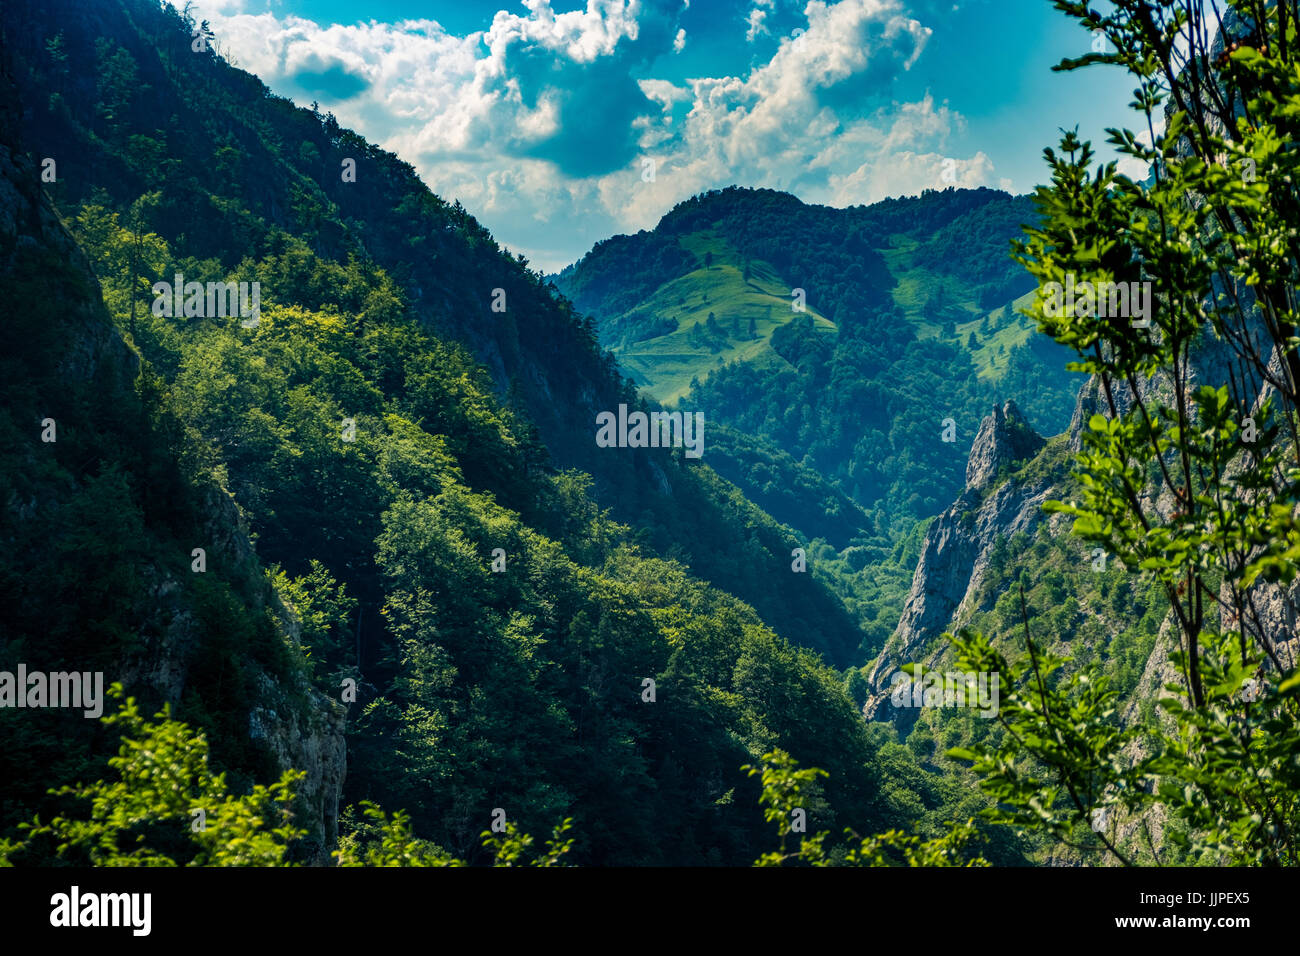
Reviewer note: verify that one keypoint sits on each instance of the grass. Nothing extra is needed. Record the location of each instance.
(922, 293)
(664, 366)
(1008, 334)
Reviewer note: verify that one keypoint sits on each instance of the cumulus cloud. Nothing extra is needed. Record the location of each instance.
(540, 123)
(757, 14)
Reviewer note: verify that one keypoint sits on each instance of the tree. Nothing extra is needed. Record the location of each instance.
(56, 49)
(127, 258)
(972, 343)
(790, 794)
(1188, 467)
(117, 81)
(324, 610)
(148, 252)
(147, 817)
(857, 687)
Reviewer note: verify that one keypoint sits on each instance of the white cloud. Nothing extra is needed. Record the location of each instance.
(1133, 168)
(538, 125)
(757, 14)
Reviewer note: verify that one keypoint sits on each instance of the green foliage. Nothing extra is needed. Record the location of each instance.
(476, 688)
(323, 609)
(1225, 774)
(789, 491)
(1187, 475)
(510, 846)
(1070, 728)
(848, 386)
(366, 262)
(384, 842)
(145, 816)
(379, 841)
(789, 793)
(786, 790)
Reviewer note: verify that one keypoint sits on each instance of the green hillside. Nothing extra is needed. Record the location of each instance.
(665, 340)
(1001, 335)
(939, 258)
(943, 308)
(723, 312)
(911, 319)
(371, 443)
(262, 176)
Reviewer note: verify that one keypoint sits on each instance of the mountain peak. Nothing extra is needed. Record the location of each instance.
(1004, 437)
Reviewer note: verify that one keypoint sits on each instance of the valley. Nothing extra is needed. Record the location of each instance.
(422, 551)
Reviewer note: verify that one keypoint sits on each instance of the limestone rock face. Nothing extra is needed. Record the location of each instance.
(958, 543)
(1004, 438)
(311, 741)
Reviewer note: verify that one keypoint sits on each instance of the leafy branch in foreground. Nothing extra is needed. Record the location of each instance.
(1226, 776)
(788, 790)
(392, 842)
(166, 808)
(147, 817)
(1189, 472)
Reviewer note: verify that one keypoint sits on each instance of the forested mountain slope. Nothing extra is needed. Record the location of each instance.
(144, 127)
(374, 505)
(843, 337)
(105, 518)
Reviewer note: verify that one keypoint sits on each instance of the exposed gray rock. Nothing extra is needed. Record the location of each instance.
(957, 545)
(313, 744)
(1004, 438)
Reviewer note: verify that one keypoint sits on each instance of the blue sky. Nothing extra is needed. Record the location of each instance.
(545, 119)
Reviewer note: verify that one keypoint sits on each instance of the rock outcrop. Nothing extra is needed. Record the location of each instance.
(1003, 439)
(958, 543)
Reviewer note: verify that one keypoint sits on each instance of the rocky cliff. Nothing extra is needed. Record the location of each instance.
(995, 504)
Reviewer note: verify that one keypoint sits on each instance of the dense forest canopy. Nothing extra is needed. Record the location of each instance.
(422, 526)
(389, 603)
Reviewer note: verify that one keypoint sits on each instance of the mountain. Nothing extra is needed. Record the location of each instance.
(862, 343)
(1080, 603)
(724, 309)
(843, 337)
(1010, 473)
(168, 137)
(392, 484)
(102, 517)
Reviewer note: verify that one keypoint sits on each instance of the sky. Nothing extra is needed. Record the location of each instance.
(558, 124)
